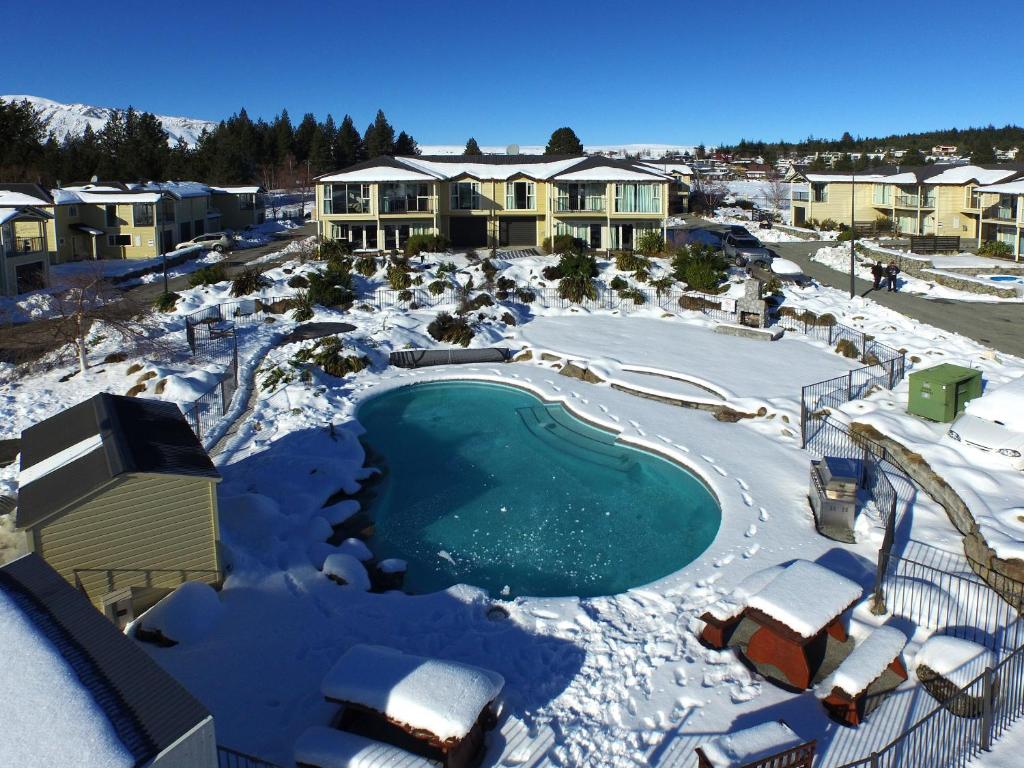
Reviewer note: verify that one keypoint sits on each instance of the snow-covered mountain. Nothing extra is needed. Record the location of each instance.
(65, 119)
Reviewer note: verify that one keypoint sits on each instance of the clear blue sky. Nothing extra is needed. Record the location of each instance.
(674, 72)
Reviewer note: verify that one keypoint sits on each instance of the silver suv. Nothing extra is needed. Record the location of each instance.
(215, 241)
(745, 249)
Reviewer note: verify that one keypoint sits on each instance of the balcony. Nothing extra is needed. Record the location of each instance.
(801, 196)
(1000, 213)
(20, 245)
(394, 205)
(914, 201)
(579, 205)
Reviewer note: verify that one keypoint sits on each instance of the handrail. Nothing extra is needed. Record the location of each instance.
(232, 758)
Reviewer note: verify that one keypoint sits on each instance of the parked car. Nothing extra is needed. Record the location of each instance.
(743, 249)
(215, 241)
(994, 423)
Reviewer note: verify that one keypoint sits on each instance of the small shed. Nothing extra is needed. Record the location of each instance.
(940, 393)
(79, 692)
(118, 495)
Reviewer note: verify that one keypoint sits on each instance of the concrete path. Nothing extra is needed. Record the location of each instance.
(998, 325)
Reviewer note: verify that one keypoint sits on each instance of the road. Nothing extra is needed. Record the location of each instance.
(26, 342)
(997, 325)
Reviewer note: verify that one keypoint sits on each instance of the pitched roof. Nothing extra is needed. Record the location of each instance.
(24, 194)
(147, 709)
(923, 174)
(83, 448)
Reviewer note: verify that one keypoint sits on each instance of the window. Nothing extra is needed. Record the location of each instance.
(73, 211)
(638, 198)
(520, 196)
(346, 198)
(404, 197)
(580, 197)
(819, 192)
(360, 236)
(111, 215)
(142, 214)
(882, 194)
(119, 240)
(200, 227)
(465, 195)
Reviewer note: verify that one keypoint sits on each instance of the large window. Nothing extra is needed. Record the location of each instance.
(347, 198)
(142, 214)
(638, 198)
(520, 196)
(359, 236)
(465, 195)
(580, 197)
(819, 192)
(110, 212)
(882, 194)
(404, 197)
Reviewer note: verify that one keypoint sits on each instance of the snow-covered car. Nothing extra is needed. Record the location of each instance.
(994, 423)
(215, 241)
(745, 249)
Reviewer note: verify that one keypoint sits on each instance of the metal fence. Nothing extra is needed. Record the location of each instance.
(210, 407)
(232, 758)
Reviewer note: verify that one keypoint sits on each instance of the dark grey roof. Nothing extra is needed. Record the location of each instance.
(147, 708)
(138, 435)
(31, 190)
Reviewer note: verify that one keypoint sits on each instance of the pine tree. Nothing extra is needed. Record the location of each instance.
(283, 136)
(348, 145)
(472, 148)
(564, 141)
(982, 152)
(702, 152)
(379, 138)
(304, 137)
(405, 145)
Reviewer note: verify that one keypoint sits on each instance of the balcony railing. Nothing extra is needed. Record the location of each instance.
(1000, 213)
(404, 205)
(801, 196)
(579, 205)
(21, 245)
(914, 201)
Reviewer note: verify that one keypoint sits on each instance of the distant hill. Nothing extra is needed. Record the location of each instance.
(65, 119)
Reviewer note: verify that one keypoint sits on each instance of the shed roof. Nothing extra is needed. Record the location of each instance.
(148, 710)
(81, 449)
(945, 373)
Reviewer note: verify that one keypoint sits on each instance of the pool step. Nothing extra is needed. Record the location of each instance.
(556, 427)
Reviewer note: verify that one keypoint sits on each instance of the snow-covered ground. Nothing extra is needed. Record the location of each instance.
(611, 681)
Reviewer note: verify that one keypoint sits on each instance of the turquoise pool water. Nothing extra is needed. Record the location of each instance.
(487, 485)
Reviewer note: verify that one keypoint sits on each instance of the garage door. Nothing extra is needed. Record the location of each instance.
(519, 232)
(468, 232)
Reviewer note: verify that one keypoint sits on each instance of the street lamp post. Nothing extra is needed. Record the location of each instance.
(853, 230)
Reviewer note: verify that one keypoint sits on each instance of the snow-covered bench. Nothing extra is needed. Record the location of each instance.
(873, 669)
(947, 667)
(429, 707)
(769, 745)
(320, 747)
(722, 618)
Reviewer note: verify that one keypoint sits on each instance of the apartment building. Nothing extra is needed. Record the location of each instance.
(493, 200)
(928, 200)
(24, 221)
(1001, 208)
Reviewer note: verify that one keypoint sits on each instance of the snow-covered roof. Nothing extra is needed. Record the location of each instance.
(956, 175)
(607, 173)
(444, 698)
(841, 177)
(750, 745)
(13, 199)
(379, 174)
(178, 189)
(331, 748)
(806, 597)
(242, 190)
(961, 174)
(186, 615)
(866, 663)
(103, 196)
(680, 168)
(526, 166)
(22, 212)
(1007, 188)
(959, 661)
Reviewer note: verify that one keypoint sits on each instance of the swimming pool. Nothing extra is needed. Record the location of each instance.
(487, 485)
(1006, 279)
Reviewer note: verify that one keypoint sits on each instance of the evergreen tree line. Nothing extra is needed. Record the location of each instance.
(978, 143)
(134, 146)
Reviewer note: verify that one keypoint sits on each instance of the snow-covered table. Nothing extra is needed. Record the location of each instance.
(874, 668)
(434, 708)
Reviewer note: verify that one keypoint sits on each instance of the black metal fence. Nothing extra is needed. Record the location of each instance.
(232, 758)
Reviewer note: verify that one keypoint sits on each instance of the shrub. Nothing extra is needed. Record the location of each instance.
(638, 296)
(166, 302)
(828, 225)
(847, 348)
(551, 272)
(115, 357)
(996, 248)
(302, 307)
(446, 268)
(328, 289)
(773, 286)
(334, 249)
(577, 264)
(883, 225)
(576, 287)
(298, 281)
(417, 244)
(846, 235)
(327, 355)
(489, 270)
(506, 284)
(700, 267)
(697, 302)
(366, 266)
(662, 285)
(508, 318)
(134, 368)
(562, 244)
(651, 243)
(641, 275)
(618, 284)
(525, 295)
(398, 277)
(437, 287)
(629, 262)
(250, 281)
(405, 295)
(214, 273)
(454, 330)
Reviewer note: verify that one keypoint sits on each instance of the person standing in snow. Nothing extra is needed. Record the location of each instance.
(890, 275)
(877, 270)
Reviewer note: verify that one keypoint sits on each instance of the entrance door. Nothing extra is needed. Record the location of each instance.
(468, 231)
(595, 236)
(626, 237)
(167, 241)
(30, 277)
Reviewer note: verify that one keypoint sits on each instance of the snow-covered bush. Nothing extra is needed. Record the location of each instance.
(250, 281)
(454, 330)
(207, 276)
(625, 261)
(651, 243)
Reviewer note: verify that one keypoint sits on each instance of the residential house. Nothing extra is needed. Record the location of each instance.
(24, 221)
(1001, 209)
(239, 207)
(679, 190)
(928, 200)
(492, 200)
(944, 150)
(78, 691)
(117, 494)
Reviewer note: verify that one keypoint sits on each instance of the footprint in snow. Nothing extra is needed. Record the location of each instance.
(748, 499)
(604, 409)
(584, 401)
(664, 439)
(751, 531)
(575, 394)
(751, 551)
(742, 484)
(614, 418)
(720, 471)
(764, 514)
(557, 389)
(724, 560)
(707, 458)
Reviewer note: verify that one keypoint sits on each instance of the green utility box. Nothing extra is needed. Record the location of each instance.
(940, 393)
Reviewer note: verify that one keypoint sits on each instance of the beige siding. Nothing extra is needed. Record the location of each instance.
(144, 522)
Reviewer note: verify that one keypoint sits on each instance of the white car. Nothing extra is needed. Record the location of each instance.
(994, 423)
(215, 241)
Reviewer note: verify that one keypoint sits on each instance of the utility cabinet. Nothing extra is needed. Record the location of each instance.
(941, 392)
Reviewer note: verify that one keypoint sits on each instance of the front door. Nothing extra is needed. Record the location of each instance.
(595, 236)
(626, 237)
